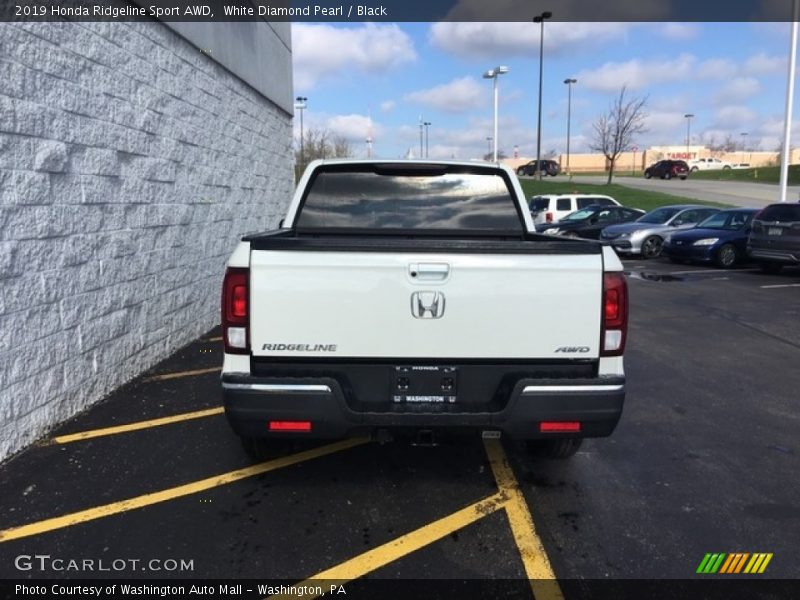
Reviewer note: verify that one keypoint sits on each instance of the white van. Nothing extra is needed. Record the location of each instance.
(550, 208)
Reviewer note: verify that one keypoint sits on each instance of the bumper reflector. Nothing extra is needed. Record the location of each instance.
(559, 426)
(290, 425)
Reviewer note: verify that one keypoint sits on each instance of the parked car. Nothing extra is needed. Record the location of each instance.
(549, 167)
(709, 164)
(667, 169)
(551, 208)
(721, 239)
(645, 236)
(775, 237)
(590, 221)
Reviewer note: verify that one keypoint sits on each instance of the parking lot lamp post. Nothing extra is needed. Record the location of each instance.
(540, 19)
(494, 74)
(427, 124)
(569, 83)
(301, 104)
(689, 117)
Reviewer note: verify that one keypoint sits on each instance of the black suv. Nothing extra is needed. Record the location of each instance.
(775, 237)
(667, 169)
(549, 167)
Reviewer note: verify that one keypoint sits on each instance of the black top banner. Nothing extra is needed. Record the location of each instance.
(397, 10)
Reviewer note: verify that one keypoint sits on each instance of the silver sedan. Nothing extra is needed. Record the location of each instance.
(646, 234)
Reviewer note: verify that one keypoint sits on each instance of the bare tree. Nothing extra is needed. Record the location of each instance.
(614, 131)
(319, 143)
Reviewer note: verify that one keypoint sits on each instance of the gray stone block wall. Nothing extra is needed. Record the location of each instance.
(130, 164)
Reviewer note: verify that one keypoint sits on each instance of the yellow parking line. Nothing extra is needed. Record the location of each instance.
(194, 487)
(382, 555)
(166, 376)
(93, 433)
(534, 558)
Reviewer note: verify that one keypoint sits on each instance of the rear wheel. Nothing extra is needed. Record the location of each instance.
(726, 256)
(647, 174)
(667, 175)
(771, 268)
(554, 449)
(683, 177)
(651, 247)
(726, 168)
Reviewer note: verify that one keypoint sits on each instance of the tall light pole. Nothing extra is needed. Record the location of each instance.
(787, 119)
(689, 117)
(494, 74)
(540, 19)
(301, 105)
(420, 137)
(427, 124)
(569, 83)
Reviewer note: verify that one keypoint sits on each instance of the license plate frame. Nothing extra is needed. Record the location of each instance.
(425, 384)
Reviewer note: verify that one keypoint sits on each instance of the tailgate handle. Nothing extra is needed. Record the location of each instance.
(429, 271)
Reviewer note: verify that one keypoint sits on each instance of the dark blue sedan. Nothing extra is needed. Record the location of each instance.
(720, 239)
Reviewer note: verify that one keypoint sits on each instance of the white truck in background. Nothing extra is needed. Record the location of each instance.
(709, 164)
(403, 297)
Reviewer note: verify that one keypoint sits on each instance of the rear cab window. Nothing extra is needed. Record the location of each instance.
(382, 198)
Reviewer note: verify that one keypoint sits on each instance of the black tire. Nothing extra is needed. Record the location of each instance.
(726, 168)
(683, 177)
(559, 449)
(694, 169)
(726, 257)
(651, 247)
(647, 174)
(667, 175)
(260, 449)
(520, 171)
(770, 267)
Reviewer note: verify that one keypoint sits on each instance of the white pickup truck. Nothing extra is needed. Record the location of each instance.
(402, 297)
(708, 164)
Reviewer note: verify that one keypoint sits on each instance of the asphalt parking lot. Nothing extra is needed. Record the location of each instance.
(705, 460)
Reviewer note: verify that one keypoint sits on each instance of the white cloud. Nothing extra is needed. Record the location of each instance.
(354, 128)
(737, 89)
(733, 116)
(679, 31)
(716, 68)
(497, 41)
(388, 106)
(458, 95)
(321, 51)
(762, 64)
(637, 73)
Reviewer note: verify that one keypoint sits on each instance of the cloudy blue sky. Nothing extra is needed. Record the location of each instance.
(732, 76)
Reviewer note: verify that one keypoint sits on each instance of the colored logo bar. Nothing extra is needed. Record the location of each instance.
(737, 562)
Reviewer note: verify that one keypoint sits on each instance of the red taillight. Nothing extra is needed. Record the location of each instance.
(615, 314)
(548, 217)
(560, 426)
(235, 313)
(290, 425)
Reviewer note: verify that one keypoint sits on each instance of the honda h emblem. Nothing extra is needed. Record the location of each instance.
(427, 305)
